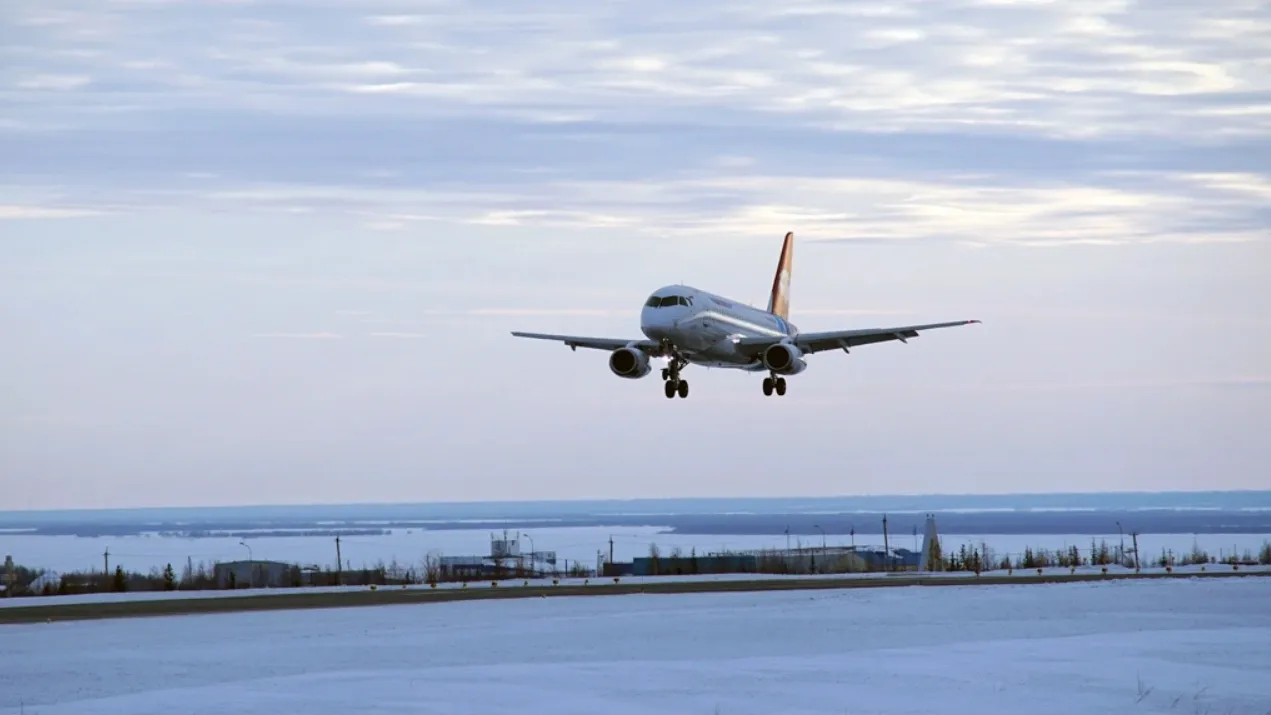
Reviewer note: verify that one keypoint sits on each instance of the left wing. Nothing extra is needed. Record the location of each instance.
(574, 342)
(842, 339)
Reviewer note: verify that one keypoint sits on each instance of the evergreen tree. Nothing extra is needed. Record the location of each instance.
(169, 578)
(120, 582)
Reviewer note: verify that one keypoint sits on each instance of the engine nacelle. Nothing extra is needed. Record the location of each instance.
(629, 363)
(784, 359)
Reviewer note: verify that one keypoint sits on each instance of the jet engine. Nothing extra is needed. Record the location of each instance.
(784, 359)
(629, 363)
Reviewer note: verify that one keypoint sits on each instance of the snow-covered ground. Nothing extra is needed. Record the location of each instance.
(1184, 646)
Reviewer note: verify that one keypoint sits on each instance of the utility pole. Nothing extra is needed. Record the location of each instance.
(611, 548)
(106, 556)
(1135, 535)
(1121, 556)
(787, 539)
(886, 547)
(853, 534)
(338, 562)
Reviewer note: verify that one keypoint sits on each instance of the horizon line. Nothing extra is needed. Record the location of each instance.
(621, 500)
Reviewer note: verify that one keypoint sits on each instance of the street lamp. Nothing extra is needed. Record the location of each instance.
(251, 573)
(532, 560)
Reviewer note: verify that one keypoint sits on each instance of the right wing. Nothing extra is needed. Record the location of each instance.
(810, 343)
(574, 342)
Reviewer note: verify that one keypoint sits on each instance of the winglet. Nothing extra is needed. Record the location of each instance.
(779, 300)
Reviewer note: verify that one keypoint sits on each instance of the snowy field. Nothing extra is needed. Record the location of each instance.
(1180, 646)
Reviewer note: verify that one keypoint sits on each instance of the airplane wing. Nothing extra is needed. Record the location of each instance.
(844, 339)
(574, 342)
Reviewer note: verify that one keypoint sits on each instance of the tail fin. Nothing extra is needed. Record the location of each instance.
(779, 301)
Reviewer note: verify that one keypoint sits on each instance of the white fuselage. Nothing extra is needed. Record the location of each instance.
(704, 327)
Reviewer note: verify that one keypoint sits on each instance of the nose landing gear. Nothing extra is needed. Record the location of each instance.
(772, 384)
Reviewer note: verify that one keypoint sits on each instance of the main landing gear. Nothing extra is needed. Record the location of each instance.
(774, 383)
(675, 385)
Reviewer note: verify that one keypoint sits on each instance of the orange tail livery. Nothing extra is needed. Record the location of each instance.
(779, 302)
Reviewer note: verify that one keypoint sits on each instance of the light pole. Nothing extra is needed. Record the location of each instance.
(251, 560)
(532, 561)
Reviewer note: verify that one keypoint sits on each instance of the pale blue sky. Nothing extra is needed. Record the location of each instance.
(270, 251)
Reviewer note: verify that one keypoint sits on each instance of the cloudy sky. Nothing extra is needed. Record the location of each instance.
(271, 250)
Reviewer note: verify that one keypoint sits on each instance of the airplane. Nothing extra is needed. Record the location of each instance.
(693, 327)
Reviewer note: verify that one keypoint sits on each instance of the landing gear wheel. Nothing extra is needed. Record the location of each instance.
(767, 386)
(781, 386)
(683, 388)
(670, 389)
(666, 373)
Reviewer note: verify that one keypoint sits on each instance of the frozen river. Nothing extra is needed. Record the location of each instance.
(1179, 646)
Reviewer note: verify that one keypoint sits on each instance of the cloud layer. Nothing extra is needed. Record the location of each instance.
(980, 122)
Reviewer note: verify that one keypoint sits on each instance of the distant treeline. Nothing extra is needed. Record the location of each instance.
(204, 576)
(966, 557)
(983, 558)
(977, 558)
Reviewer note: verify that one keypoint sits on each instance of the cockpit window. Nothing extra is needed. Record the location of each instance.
(664, 301)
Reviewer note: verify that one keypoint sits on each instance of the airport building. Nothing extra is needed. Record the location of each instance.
(803, 560)
(506, 559)
(253, 574)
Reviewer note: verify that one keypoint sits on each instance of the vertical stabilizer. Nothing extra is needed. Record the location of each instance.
(779, 301)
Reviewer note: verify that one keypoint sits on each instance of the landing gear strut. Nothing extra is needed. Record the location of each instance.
(675, 385)
(774, 383)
